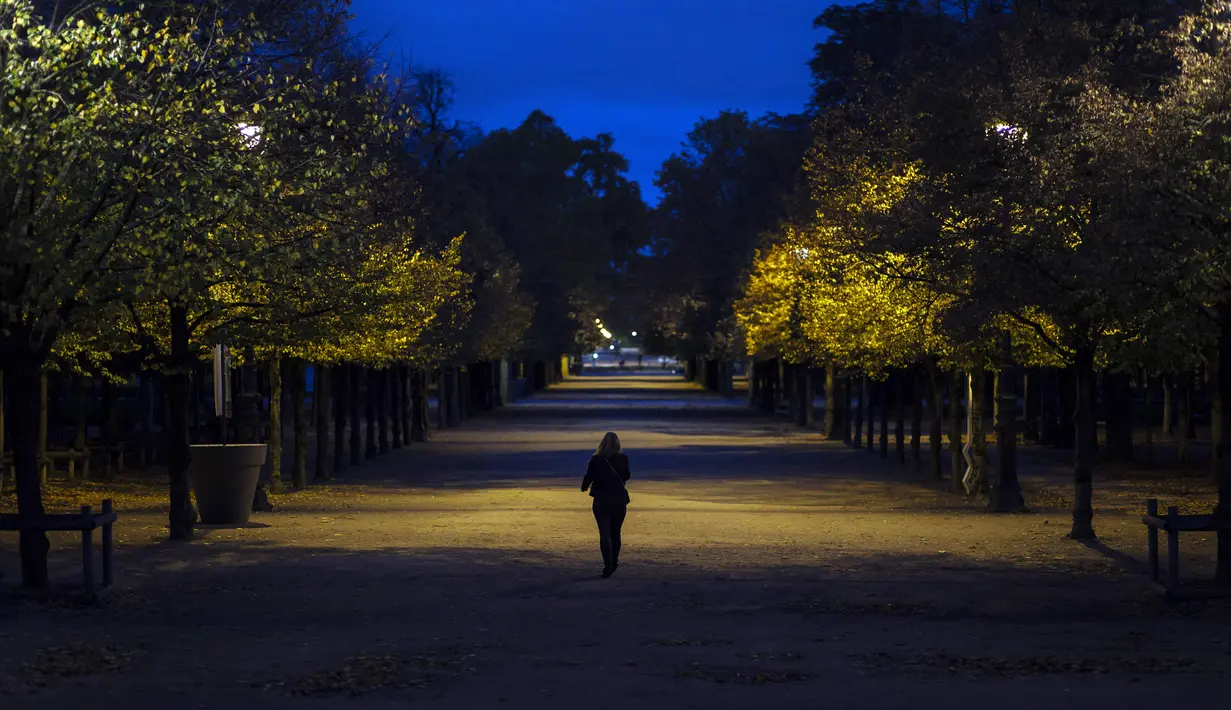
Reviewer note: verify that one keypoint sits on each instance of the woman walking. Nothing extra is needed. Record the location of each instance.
(605, 478)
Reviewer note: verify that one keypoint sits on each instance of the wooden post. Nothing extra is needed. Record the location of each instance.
(87, 552)
(108, 576)
(1173, 550)
(1152, 539)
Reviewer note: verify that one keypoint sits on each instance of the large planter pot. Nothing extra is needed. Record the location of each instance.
(224, 477)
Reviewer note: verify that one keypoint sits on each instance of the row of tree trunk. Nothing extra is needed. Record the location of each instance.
(371, 410)
(1052, 399)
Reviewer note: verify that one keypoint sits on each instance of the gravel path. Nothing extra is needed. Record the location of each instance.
(762, 567)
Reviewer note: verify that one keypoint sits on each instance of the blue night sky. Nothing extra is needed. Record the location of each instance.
(642, 70)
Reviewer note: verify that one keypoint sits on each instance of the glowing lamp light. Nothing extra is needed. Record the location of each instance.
(606, 334)
(595, 356)
(251, 134)
(634, 333)
(611, 347)
(1005, 130)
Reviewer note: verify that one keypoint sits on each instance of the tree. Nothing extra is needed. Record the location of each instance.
(725, 189)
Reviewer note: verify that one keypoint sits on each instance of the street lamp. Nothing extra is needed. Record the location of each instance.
(634, 333)
(251, 134)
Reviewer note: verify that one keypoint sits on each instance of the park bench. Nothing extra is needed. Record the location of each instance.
(1173, 524)
(84, 522)
(72, 456)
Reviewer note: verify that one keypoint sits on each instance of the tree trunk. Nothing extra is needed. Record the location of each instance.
(1216, 406)
(1006, 494)
(1185, 415)
(418, 406)
(957, 467)
(299, 421)
(354, 392)
(321, 391)
(371, 393)
(859, 406)
(341, 395)
(3, 468)
(873, 390)
(1083, 459)
(81, 394)
(382, 409)
(978, 440)
(830, 423)
(401, 412)
(1067, 399)
(1222, 445)
(1168, 405)
(1049, 421)
(23, 417)
(916, 418)
(408, 402)
(848, 387)
(937, 420)
(442, 397)
(394, 388)
(111, 428)
(883, 404)
(42, 428)
(1030, 395)
(275, 423)
(899, 414)
(1148, 392)
(1118, 394)
(455, 394)
(182, 517)
(807, 389)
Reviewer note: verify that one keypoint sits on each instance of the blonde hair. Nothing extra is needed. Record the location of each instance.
(609, 446)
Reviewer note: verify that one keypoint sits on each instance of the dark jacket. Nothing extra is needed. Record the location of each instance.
(605, 478)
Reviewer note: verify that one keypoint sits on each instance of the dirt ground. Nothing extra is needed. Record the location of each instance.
(762, 566)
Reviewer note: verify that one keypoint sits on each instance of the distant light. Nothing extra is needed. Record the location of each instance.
(606, 334)
(595, 356)
(634, 333)
(598, 321)
(611, 347)
(251, 134)
(1005, 130)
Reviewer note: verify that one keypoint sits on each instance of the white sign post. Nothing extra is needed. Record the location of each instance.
(222, 386)
(968, 480)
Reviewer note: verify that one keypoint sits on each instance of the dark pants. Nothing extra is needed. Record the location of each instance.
(610, 518)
